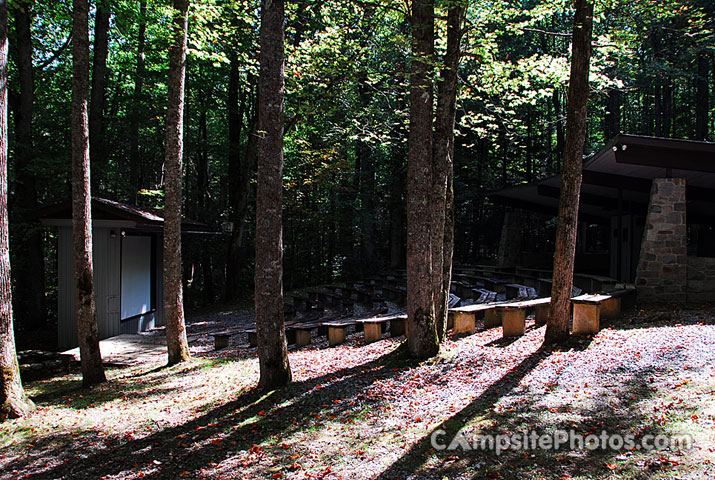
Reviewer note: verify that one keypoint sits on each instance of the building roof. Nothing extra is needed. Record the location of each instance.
(110, 213)
(619, 177)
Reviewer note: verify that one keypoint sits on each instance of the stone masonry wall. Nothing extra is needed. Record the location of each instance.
(662, 274)
(701, 280)
(510, 241)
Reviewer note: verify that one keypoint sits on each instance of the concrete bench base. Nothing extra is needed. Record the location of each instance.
(586, 318)
(221, 340)
(492, 318)
(464, 322)
(302, 337)
(513, 321)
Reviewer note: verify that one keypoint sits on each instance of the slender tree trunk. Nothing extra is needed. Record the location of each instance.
(177, 345)
(423, 341)
(270, 327)
(98, 95)
(13, 401)
(702, 94)
(443, 167)
(134, 154)
(27, 250)
(87, 330)
(560, 310)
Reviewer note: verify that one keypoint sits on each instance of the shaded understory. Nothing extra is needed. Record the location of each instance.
(359, 411)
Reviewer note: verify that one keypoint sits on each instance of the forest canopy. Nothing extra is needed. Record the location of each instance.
(347, 73)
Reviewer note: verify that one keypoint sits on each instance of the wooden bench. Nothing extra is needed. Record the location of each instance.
(545, 284)
(221, 340)
(303, 332)
(375, 326)
(253, 337)
(512, 316)
(589, 309)
(463, 319)
(337, 331)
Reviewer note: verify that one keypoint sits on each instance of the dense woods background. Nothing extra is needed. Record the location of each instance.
(347, 66)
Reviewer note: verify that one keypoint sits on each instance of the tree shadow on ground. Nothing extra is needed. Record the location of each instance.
(240, 425)
(63, 392)
(616, 413)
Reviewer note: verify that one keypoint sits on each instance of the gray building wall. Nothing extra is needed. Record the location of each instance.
(107, 285)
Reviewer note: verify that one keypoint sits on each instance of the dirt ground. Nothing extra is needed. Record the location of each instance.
(366, 411)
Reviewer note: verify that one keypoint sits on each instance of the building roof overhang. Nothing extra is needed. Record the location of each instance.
(618, 178)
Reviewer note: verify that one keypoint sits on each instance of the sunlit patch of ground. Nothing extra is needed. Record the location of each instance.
(366, 411)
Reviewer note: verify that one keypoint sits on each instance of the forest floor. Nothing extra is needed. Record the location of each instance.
(366, 411)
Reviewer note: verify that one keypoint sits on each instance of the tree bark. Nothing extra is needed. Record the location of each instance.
(87, 330)
(134, 155)
(270, 327)
(560, 310)
(443, 167)
(13, 401)
(28, 253)
(702, 94)
(422, 334)
(98, 94)
(176, 342)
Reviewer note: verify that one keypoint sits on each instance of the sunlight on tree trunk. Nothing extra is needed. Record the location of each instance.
(13, 401)
(87, 330)
(560, 310)
(422, 335)
(177, 345)
(443, 163)
(270, 327)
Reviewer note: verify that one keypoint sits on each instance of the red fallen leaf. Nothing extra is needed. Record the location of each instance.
(262, 412)
(611, 466)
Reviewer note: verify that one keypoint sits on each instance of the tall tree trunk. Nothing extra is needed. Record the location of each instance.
(560, 310)
(443, 167)
(27, 249)
(202, 189)
(177, 345)
(13, 401)
(702, 94)
(270, 327)
(98, 95)
(423, 341)
(134, 154)
(87, 330)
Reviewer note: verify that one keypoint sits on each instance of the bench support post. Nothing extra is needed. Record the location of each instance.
(541, 314)
(586, 318)
(492, 318)
(464, 322)
(336, 335)
(513, 321)
(373, 332)
(397, 326)
(220, 341)
(611, 308)
(302, 338)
